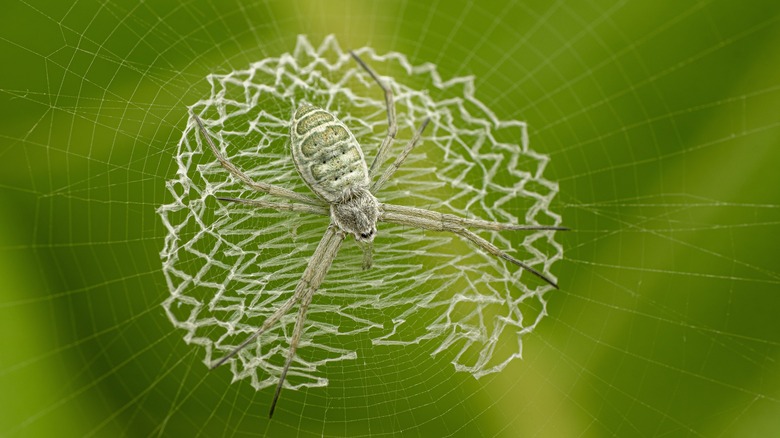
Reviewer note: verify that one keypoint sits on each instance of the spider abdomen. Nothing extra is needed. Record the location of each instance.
(326, 153)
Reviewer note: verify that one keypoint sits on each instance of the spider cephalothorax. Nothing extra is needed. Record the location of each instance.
(356, 212)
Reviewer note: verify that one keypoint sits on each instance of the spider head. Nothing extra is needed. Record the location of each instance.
(366, 236)
(356, 212)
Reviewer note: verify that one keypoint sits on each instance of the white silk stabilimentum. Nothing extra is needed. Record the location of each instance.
(229, 266)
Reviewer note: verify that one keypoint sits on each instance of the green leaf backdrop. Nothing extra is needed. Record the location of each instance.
(662, 121)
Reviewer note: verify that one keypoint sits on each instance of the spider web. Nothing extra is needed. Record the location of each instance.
(661, 123)
(230, 267)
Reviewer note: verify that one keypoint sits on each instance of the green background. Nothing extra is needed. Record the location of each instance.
(662, 121)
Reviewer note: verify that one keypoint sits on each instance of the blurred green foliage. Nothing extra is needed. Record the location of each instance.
(661, 120)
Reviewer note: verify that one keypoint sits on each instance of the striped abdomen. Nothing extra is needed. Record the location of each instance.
(326, 154)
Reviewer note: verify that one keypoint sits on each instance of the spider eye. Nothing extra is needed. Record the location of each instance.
(364, 235)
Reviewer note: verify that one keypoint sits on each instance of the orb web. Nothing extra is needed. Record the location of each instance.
(229, 266)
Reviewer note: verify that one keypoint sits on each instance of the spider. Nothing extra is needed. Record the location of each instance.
(329, 159)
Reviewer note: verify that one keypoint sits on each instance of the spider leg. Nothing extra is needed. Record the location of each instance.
(400, 160)
(391, 210)
(312, 277)
(392, 126)
(281, 206)
(310, 281)
(254, 185)
(271, 320)
(368, 254)
(493, 249)
(296, 337)
(432, 221)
